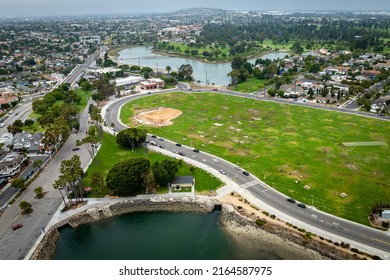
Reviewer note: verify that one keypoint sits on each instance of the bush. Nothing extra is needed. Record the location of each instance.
(272, 216)
(260, 222)
(355, 250)
(265, 213)
(301, 230)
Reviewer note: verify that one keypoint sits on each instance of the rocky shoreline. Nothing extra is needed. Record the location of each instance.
(276, 241)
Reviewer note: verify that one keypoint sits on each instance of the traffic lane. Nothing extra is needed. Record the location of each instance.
(334, 225)
(204, 158)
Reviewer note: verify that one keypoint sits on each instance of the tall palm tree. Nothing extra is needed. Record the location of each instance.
(168, 68)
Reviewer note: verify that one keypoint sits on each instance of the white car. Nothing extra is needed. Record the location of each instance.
(215, 160)
(223, 172)
(1, 124)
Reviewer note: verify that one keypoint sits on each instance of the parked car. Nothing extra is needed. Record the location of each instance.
(175, 151)
(246, 173)
(237, 168)
(153, 143)
(161, 139)
(215, 160)
(291, 200)
(154, 136)
(178, 144)
(182, 154)
(196, 150)
(223, 172)
(16, 226)
(1, 124)
(161, 146)
(301, 205)
(75, 148)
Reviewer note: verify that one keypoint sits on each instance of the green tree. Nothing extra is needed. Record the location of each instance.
(26, 207)
(19, 183)
(70, 177)
(168, 68)
(164, 172)
(131, 138)
(185, 72)
(97, 182)
(37, 163)
(238, 62)
(38, 192)
(128, 176)
(271, 91)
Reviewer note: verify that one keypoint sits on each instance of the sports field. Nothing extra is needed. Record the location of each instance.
(289, 147)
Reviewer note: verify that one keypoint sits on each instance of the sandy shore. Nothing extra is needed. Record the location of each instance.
(275, 237)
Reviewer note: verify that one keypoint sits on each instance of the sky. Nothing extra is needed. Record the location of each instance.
(12, 8)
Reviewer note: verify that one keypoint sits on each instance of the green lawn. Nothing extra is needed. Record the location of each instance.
(111, 153)
(250, 85)
(284, 144)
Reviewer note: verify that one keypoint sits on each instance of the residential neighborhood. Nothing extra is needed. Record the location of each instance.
(268, 130)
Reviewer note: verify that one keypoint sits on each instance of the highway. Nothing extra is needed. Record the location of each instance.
(328, 226)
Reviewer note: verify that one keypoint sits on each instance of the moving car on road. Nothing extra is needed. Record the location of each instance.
(223, 172)
(301, 205)
(215, 160)
(291, 200)
(246, 173)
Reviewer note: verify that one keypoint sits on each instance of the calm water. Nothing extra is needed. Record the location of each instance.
(153, 235)
(216, 73)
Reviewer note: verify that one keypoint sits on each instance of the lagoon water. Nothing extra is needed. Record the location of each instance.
(216, 73)
(153, 235)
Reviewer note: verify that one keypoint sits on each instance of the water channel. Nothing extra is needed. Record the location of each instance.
(215, 73)
(151, 236)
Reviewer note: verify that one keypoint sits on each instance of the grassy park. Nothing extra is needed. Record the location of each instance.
(296, 150)
(111, 153)
(250, 85)
(85, 95)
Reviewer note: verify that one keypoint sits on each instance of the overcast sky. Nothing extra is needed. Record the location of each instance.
(85, 7)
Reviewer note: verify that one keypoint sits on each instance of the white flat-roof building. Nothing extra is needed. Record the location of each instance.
(100, 72)
(131, 80)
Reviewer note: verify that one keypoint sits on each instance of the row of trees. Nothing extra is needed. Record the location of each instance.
(132, 175)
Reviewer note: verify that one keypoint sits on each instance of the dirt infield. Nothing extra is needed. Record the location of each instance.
(158, 117)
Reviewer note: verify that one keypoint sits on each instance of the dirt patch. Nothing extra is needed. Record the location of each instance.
(158, 117)
(351, 166)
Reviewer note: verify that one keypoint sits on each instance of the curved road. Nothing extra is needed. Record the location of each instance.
(362, 237)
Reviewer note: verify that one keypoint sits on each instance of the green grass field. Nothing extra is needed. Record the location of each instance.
(111, 153)
(250, 85)
(285, 144)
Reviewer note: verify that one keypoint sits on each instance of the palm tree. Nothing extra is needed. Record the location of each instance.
(168, 68)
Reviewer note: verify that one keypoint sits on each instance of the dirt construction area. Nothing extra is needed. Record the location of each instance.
(158, 117)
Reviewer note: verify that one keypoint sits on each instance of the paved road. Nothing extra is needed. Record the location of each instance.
(328, 226)
(80, 70)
